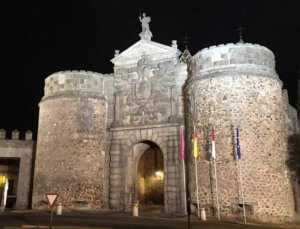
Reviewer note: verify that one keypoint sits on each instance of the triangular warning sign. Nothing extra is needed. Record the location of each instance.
(51, 197)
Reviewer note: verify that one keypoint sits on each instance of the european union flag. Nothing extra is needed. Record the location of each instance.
(238, 148)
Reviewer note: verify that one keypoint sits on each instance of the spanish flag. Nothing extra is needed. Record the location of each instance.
(195, 142)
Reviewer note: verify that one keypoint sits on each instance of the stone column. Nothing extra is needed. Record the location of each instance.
(173, 194)
(116, 176)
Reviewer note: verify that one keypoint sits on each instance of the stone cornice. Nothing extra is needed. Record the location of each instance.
(72, 94)
(166, 125)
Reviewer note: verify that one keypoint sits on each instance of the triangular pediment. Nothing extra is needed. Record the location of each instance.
(154, 50)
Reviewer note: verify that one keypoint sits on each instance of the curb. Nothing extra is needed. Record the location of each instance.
(59, 227)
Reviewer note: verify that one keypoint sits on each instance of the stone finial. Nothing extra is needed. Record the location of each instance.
(146, 33)
(28, 135)
(2, 134)
(174, 44)
(15, 134)
(117, 52)
(240, 30)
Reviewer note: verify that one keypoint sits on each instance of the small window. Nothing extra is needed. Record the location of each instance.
(248, 208)
(238, 208)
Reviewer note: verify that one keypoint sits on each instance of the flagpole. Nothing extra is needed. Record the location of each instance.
(195, 149)
(217, 196)
(184, 185)
(238, 158)
(213, 155)
(198, 205)
(182, 145)
(241, 181)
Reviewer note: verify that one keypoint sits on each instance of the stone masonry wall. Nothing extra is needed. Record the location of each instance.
(71, 150)
(254, 103)
(291, 117)
(24, 151)
(65, 81)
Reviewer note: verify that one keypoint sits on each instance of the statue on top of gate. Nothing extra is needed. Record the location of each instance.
(146, 33)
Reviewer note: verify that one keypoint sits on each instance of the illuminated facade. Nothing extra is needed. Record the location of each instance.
(107, 141)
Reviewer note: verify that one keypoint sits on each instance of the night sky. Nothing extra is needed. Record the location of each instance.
(42, 37)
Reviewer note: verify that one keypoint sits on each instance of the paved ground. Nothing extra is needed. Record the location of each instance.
(106, 220)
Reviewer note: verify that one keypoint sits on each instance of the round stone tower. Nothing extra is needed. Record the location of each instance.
(230, 86)
(71, 140)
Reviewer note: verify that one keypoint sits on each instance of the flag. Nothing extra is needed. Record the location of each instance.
(238, 148)
(182, 144)
(213, 144)
(195, 142)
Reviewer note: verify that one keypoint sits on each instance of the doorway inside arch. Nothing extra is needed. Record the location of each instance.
(150, 177)
(9, 175)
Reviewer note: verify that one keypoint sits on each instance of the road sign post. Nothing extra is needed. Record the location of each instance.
(51, 198)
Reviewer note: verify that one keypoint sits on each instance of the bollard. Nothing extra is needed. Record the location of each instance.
(135, 210)
(202, 214)
(59, 209)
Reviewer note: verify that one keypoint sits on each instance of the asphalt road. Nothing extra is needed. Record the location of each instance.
(11, 220)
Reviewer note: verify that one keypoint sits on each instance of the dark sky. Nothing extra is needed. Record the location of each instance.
(41, 37)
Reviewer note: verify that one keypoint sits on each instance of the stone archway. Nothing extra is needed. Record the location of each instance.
(143, 160)
(150, 177)
(127, 148)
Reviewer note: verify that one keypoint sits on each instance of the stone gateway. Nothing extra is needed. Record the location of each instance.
(109, 141)
(103, 137)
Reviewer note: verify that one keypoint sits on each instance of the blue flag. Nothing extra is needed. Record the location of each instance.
(238, 148)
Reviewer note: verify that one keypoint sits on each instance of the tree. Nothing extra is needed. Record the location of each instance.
(293, 160)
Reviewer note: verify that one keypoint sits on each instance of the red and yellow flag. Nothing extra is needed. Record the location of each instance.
(195, 143)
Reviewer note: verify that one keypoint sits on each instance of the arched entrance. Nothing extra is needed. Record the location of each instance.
(150, 177)
(132, 160)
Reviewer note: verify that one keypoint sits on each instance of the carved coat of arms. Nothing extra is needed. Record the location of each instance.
(144, 92)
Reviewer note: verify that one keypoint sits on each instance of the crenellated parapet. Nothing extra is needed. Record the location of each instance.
(2, 134)
(241, 57)
(16, 163)
(15, 135)
(64, 82)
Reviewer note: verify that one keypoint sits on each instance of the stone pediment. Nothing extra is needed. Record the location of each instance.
(152, 50)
